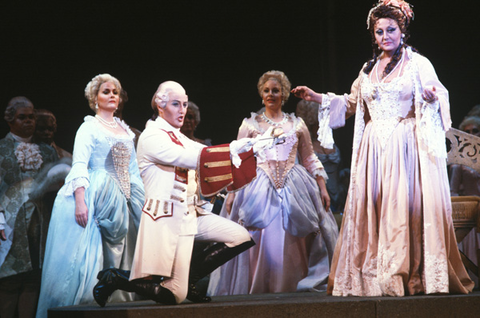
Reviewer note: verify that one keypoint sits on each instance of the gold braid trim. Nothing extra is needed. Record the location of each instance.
(219, 178)
(215, 164)
(218, 149)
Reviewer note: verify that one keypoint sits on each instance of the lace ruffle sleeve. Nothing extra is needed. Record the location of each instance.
(82, 150)
(324, 132)
(434, 117)
(428, 79)
(334, 111)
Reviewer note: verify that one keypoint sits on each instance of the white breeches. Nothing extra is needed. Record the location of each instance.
(210, 228)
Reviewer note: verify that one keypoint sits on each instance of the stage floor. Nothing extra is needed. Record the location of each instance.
(288, 305)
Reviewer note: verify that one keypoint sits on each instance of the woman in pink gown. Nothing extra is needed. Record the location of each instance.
(397, 235)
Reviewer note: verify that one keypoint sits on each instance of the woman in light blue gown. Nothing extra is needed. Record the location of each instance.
(96, 213)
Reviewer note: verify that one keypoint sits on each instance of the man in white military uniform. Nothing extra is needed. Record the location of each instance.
(162, 268)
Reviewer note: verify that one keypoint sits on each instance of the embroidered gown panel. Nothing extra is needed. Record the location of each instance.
(397, 235)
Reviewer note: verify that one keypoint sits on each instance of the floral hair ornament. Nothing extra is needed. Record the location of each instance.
(403, 6)
(162, 99)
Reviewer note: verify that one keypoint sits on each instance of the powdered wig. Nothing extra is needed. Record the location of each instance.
(160, 98)
(308, 111)
(471, 120)
(280, 77)
(91, 91)
(475, 111)
(13, 105)
(196, 111)
(45, 113)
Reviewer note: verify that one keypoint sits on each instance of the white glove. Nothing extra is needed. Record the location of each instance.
(267, 140)
(237, 147)
(271, 137)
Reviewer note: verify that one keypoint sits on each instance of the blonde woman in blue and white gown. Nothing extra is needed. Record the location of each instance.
(96, 213)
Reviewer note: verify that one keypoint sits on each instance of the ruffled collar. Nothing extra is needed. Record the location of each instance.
(29, 157)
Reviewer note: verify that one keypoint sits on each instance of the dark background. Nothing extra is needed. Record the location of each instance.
(217, 50)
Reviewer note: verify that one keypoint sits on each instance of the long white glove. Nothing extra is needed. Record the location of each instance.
(267, 140)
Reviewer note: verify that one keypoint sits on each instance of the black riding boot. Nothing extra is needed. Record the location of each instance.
(112, 279)
(207, 261)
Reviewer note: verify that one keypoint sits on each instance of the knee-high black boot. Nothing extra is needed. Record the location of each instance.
(112, 279)
(207, 261)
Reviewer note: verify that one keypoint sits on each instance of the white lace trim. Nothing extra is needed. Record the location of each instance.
(435, 274)
(76, 183)
(390, 282)
(429, 122)
(361, 283)
(125, 126)
(431, 131)
(325, 134)
(320, 173)
(382, 99)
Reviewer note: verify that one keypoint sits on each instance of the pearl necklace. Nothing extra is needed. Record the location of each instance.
(271, 122)
(112, 124)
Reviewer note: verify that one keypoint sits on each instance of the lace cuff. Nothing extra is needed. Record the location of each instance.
(76, 183)
(2, 220)
(325, 134)
(434, 106)
(431, 130)
(320, 173)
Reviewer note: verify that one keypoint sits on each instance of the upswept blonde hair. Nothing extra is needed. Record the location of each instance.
(280, 77)
(92, 88)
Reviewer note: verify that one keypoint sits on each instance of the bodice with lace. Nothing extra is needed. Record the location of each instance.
(389, 103)
(98, 149)
(280, 159)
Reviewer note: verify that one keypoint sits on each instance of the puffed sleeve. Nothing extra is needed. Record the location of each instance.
(334, 110)
(82, 150)
(306, 156)
(247, 130)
